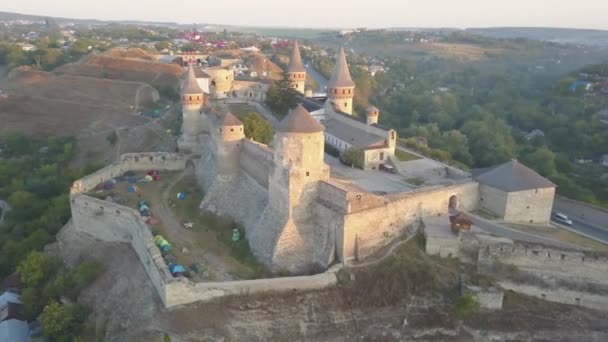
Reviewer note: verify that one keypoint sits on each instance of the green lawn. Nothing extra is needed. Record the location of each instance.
(405, 156)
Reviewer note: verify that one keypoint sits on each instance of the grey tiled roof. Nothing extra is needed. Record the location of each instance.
(299, 120)
(230, 120)
(311, 105)
(513, 176)
(353, 135)
(295, 62)
(341, 76)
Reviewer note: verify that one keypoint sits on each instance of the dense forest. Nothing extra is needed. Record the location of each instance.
(482, 113)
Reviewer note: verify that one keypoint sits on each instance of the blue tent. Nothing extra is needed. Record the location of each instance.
(181, 196)
(131, 188)
(132, 180)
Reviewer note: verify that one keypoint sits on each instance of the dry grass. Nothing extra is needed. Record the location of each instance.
(462, 52)
(562, 235)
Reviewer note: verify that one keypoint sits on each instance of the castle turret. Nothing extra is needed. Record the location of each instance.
(293, 184)
(230, 134)
(296, 69)
(341, 88)
(193, 99)
(372, 115)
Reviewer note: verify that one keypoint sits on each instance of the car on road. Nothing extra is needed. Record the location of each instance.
(388, 168)
(561, 218)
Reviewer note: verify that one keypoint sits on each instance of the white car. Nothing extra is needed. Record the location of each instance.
(562, 218)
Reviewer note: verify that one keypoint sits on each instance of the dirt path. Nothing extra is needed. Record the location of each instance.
(219, 268)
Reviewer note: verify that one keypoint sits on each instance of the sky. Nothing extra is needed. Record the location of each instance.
(332, 14)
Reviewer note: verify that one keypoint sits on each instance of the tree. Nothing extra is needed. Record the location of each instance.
(162, 45)
(37, 267)
(62, 322)
(257, 128)
(542, 160)
(281, 97)
(353, 156)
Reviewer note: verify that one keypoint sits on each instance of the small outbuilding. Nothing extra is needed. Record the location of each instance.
(516, 193)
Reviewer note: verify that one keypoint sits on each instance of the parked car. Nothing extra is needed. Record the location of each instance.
(559, 217)
(388, 168)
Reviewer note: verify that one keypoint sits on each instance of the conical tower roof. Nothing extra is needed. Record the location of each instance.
(190, 84)
(341, 76)
(295, 62)
(230, 120)
(299, 120)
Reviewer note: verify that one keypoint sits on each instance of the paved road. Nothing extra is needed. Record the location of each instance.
(317, 76)
(586, 229)
(500, 230)
(5, 208)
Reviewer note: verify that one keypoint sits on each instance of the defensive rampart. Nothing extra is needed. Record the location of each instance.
(111, 222)
(256, 161)
(370, 222)
(130, 162)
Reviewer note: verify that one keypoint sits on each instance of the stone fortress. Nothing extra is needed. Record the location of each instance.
(297, 217)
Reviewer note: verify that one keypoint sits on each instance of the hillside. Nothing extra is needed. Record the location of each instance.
(126, 65)
(558, 35)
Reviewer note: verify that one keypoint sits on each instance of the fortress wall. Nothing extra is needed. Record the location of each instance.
(559, 295)
(112, 222)
(184, 291)
(367, 230)
(256, 161)
(130, 162)
(562, 264)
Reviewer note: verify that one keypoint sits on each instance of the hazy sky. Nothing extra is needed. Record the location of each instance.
(332, 13)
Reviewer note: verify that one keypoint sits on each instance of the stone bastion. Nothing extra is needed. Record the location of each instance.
(111, 222)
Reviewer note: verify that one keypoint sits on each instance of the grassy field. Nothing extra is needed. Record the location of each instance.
(405, 156)
(214, 234)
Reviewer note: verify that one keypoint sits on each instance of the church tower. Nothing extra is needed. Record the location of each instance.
(296, 70)
(293, 189)
(341, 88)
(193, 100)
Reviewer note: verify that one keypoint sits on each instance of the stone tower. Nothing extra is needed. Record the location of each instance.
(296, 70)
(372, 115)
(293, 187)
(341, 88)
(229, 136)
(193, 124)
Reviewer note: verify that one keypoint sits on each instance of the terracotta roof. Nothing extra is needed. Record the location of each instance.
(299, 120)
(295, 62)
(190, 84)
(230, 120)
(514, 176)
(341, 76)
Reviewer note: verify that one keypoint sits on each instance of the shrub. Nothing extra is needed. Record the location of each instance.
(466, 305)
(353, 157)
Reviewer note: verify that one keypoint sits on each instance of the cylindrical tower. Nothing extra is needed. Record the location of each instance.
(193, 99)
(372, 115)
(296, 69)
(341, 88)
